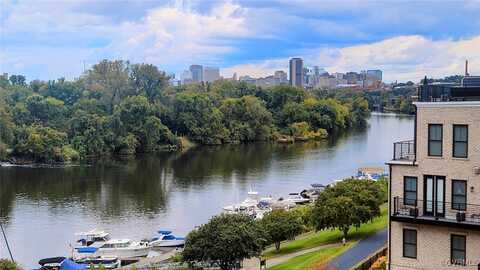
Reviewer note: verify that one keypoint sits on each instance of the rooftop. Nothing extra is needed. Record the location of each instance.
(467, 90)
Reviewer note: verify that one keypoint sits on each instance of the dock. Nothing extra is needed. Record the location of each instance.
(148, 263)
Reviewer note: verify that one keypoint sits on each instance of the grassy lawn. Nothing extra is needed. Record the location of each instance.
(313, 239)
(313, 259)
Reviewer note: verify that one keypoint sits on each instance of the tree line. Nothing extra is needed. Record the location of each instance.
(121, 108)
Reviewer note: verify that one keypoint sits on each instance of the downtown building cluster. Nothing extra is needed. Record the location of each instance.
(298, 75)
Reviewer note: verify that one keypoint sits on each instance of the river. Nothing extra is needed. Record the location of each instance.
(41, 208)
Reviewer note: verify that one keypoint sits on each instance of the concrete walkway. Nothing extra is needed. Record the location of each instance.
(360, 251)
(254, 263)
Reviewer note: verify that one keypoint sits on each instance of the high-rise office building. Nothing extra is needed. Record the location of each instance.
(197, 73)
(211, 74)
(296, 72)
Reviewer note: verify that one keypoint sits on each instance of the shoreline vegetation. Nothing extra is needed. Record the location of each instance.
(118, 108)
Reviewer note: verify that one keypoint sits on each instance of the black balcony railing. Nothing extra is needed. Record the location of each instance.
(404, 150)
(443, 211)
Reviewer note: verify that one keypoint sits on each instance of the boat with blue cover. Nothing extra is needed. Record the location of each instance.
(165, 239)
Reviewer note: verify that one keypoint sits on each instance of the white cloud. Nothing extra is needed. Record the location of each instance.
(407, 57)
(401, 58)
(257, 69)
(175, 35)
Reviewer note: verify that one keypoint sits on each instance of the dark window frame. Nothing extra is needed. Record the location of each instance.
(459, 195)
(454, 261)
(411, 244)
(454, 141)
(405, 201)
(441, 140)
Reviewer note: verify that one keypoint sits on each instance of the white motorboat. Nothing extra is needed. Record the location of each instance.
(297, 198)
(253, 206)
(93, 238)
(166, 239)
(121, 248)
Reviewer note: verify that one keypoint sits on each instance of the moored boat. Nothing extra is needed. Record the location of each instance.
(165, 239)
(121, 248)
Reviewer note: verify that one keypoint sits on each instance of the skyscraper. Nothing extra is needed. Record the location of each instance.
(211, 74)
(296, 72)
(197, 73)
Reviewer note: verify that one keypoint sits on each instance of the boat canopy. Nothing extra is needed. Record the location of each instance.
(87, 249)
(70, 265)
(58, 260)
(165, 232)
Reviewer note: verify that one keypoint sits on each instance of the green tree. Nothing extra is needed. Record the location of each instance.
(49, 111)
(136, 116)
(40, 143)
(348, 203)
(148, 80)
(109, 81)
(196, 116)
(281, 225)
(225, 240)
(246, 118)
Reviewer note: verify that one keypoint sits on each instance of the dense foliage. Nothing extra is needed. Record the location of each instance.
(347, 203)
(280, 225)
(225, 240)
(122, 108)
(8, 265)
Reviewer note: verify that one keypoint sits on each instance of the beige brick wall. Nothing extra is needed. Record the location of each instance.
(433, 247)
(434, 241)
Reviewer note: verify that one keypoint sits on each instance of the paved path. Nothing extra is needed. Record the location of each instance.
(254, 263)
(360, 251)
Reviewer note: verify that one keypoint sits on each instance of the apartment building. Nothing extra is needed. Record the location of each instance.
(435, 182)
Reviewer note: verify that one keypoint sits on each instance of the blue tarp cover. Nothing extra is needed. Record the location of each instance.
(87, 249)
(70, 265)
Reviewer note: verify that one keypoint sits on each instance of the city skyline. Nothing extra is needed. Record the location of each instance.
(405, 41)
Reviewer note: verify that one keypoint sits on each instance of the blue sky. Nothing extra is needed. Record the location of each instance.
(407, 39)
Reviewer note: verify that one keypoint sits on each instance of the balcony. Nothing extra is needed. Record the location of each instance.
(439, 213)
(404, 151)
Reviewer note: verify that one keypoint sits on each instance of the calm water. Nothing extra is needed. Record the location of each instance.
(43, 208)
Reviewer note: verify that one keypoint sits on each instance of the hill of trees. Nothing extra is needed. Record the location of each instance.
(122, 108)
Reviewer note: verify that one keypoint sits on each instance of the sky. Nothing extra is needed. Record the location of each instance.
(406, 39)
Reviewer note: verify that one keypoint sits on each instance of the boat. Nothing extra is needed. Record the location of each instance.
(165, 239)
(53, 263)
(100, 262)
(92, 238)
(60, 263)
(297, 198)
(253, 206)
(121, 248)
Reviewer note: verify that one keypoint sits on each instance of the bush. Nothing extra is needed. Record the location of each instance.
(8, 265)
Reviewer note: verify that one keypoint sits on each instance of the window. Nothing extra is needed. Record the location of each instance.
(460, 141)
(459, 195)
(435, 135)
(410, 190)
(458, 249)
(409, 243)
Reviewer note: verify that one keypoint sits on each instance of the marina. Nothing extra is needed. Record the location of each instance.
(43, 208)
